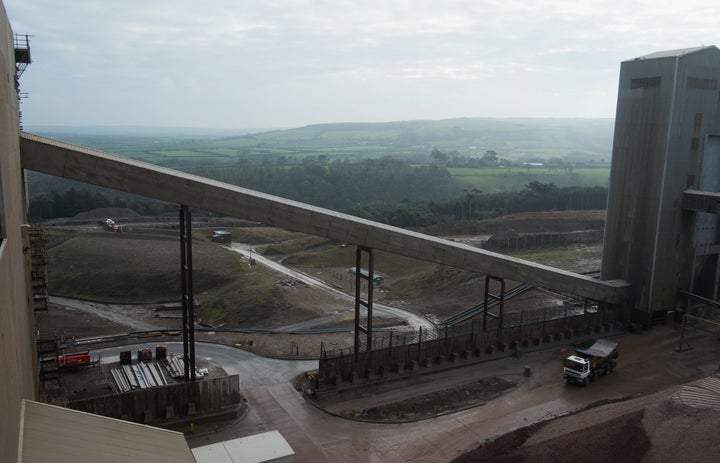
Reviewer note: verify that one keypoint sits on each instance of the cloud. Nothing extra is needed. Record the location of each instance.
(291, 62)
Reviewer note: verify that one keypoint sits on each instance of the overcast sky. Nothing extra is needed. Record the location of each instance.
(288, 63)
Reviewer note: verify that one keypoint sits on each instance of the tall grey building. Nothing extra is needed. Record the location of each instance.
(667, 143)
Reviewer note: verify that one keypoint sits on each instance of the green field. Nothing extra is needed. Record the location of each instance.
(515, 178)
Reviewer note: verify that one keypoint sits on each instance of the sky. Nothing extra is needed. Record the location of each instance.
(289, 63)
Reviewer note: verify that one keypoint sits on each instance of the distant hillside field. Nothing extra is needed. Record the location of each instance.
(576, 140)
(516, 178)
(514, 138)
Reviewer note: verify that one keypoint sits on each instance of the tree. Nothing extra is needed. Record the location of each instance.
(438, 156)
(472, 197)
(490, 158)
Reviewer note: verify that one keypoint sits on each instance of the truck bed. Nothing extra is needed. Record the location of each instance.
(601, 348)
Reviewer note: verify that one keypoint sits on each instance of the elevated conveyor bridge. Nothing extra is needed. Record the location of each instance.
(94, 167)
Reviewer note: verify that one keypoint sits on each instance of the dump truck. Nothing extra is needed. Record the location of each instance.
(588, 363)
(108, 224)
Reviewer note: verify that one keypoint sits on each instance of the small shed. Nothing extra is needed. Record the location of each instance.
(221, 236)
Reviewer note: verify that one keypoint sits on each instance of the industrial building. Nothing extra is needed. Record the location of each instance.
(660, 235)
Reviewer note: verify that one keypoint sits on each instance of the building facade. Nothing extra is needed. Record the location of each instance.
(664, 144)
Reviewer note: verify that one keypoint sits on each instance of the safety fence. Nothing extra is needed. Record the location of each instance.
(543, 240)
(411, 351)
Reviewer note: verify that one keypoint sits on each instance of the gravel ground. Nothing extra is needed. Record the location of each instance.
(654, 428)
(443, 401)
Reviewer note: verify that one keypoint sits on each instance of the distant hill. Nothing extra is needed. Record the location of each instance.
(514, 138)
(517, 139)
(137, 131)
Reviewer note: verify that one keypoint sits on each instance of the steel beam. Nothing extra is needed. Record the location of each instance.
(701, 201)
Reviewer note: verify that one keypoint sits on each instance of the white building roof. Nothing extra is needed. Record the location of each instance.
(266, 447)
(51, 433)
(673, 53)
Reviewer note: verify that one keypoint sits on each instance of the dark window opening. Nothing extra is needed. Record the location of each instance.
(701, 84)
(645, 82)
(695, 144)
(698, 120)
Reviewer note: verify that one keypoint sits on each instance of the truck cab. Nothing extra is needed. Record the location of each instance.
(590, 362)
(576, 369)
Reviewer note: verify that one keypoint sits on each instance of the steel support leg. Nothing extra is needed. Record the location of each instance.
(499, 298)
(188, 304)
(360, 275)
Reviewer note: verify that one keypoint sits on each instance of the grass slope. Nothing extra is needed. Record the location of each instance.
(132, 267)
(145, 267)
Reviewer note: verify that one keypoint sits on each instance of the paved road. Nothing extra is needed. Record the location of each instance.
(414, 320)
(647, 363)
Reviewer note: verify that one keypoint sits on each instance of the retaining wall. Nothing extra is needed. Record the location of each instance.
(168, 403)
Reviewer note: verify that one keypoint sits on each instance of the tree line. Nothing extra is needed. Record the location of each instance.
(386, 190)
(476, 205)
(55, 204)
(342, 184)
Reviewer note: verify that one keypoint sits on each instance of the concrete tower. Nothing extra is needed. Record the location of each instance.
(17, 323)
(666, 127)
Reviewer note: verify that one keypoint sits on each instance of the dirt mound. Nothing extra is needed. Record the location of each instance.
(620, 439)
(658, 427)
(526, 222)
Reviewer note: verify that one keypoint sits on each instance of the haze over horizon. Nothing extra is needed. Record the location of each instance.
(252, 64)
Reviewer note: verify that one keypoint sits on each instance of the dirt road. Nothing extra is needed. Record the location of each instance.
(413, 320)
